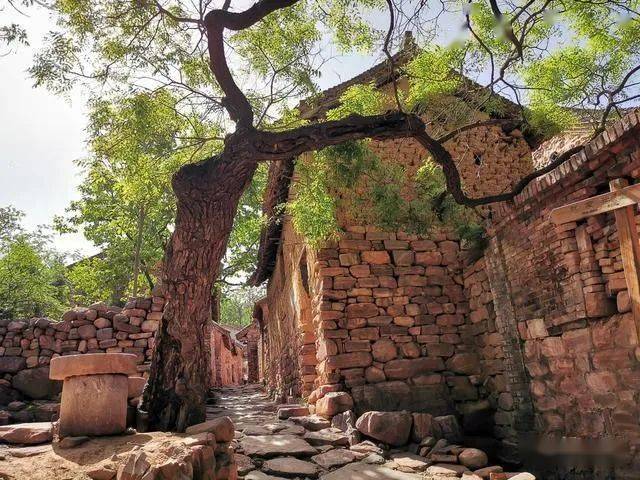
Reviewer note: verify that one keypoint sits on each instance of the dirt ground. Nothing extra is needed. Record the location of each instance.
(49, 462)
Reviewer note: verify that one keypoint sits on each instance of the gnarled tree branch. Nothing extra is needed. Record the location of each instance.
(216, 21)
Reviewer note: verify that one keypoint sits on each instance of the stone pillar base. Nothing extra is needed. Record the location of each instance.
(94, 405)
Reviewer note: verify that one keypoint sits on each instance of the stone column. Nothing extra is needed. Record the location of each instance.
(94, 392)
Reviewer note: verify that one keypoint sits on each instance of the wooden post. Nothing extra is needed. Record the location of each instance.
(630, 250)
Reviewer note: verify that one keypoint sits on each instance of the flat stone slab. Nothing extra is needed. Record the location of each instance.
(292, 411)
(311, 422)
(362, 471)
(334, 458)
(27, 433)
(290, 467)
(92, 364)
(258, 475)
(253, 430)
(327, 436)
(273, 445)
(409, 461)
(447, 469)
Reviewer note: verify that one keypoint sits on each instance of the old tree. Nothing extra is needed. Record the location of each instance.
(240, 68)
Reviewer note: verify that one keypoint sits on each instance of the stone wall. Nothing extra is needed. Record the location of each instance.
(227, 358)
(288, 347)
(573, 367)
(392, 317)
(27, 347)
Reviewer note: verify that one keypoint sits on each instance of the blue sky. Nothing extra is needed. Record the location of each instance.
(42, 134)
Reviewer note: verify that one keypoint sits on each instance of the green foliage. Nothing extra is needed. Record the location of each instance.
(32, 279)
(435, 71)
(236, 307)
(313, 208)
(242, 247)
(137, 143)
(364, 99)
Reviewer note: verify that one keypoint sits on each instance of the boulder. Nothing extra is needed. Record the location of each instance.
(8, 394)
(473, 458)
(12, 364)
(27, 433)
(222, 428)
(392, 428)
(34, 383)
(334, 403)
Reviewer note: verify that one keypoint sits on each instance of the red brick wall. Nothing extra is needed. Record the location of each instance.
(227, 359)
(570, 349)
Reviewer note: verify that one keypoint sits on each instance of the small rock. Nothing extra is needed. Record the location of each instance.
(446, 469)
(408, 462)
(334, 403)
(374, 459)
(134, 467)
(486, 472)
(473, 458)
(221, 427)
(311, 422)
(258, 475)
(366, 447)
(72, 442)
(293, 411)
(334, 458)
(470, 476)
(245, 464)
(102, 472)
(327, 436)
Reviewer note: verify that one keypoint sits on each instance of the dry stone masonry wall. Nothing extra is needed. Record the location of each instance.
(27, 347)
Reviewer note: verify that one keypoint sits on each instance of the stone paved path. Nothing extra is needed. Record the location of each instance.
(307, 447)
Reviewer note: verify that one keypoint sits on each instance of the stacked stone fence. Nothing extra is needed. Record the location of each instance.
(27, 347)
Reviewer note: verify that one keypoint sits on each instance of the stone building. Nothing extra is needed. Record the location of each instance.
(533, 335)
(227, 356)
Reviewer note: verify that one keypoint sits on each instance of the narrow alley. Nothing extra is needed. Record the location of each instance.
(275, 442)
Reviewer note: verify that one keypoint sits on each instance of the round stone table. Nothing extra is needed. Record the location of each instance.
(94, 392)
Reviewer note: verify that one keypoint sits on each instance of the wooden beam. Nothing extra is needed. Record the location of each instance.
(629, 250)
(624, 197)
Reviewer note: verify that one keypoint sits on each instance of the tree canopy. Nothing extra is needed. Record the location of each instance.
(32, 280)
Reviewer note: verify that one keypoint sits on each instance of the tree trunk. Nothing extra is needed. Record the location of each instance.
(207, 198)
